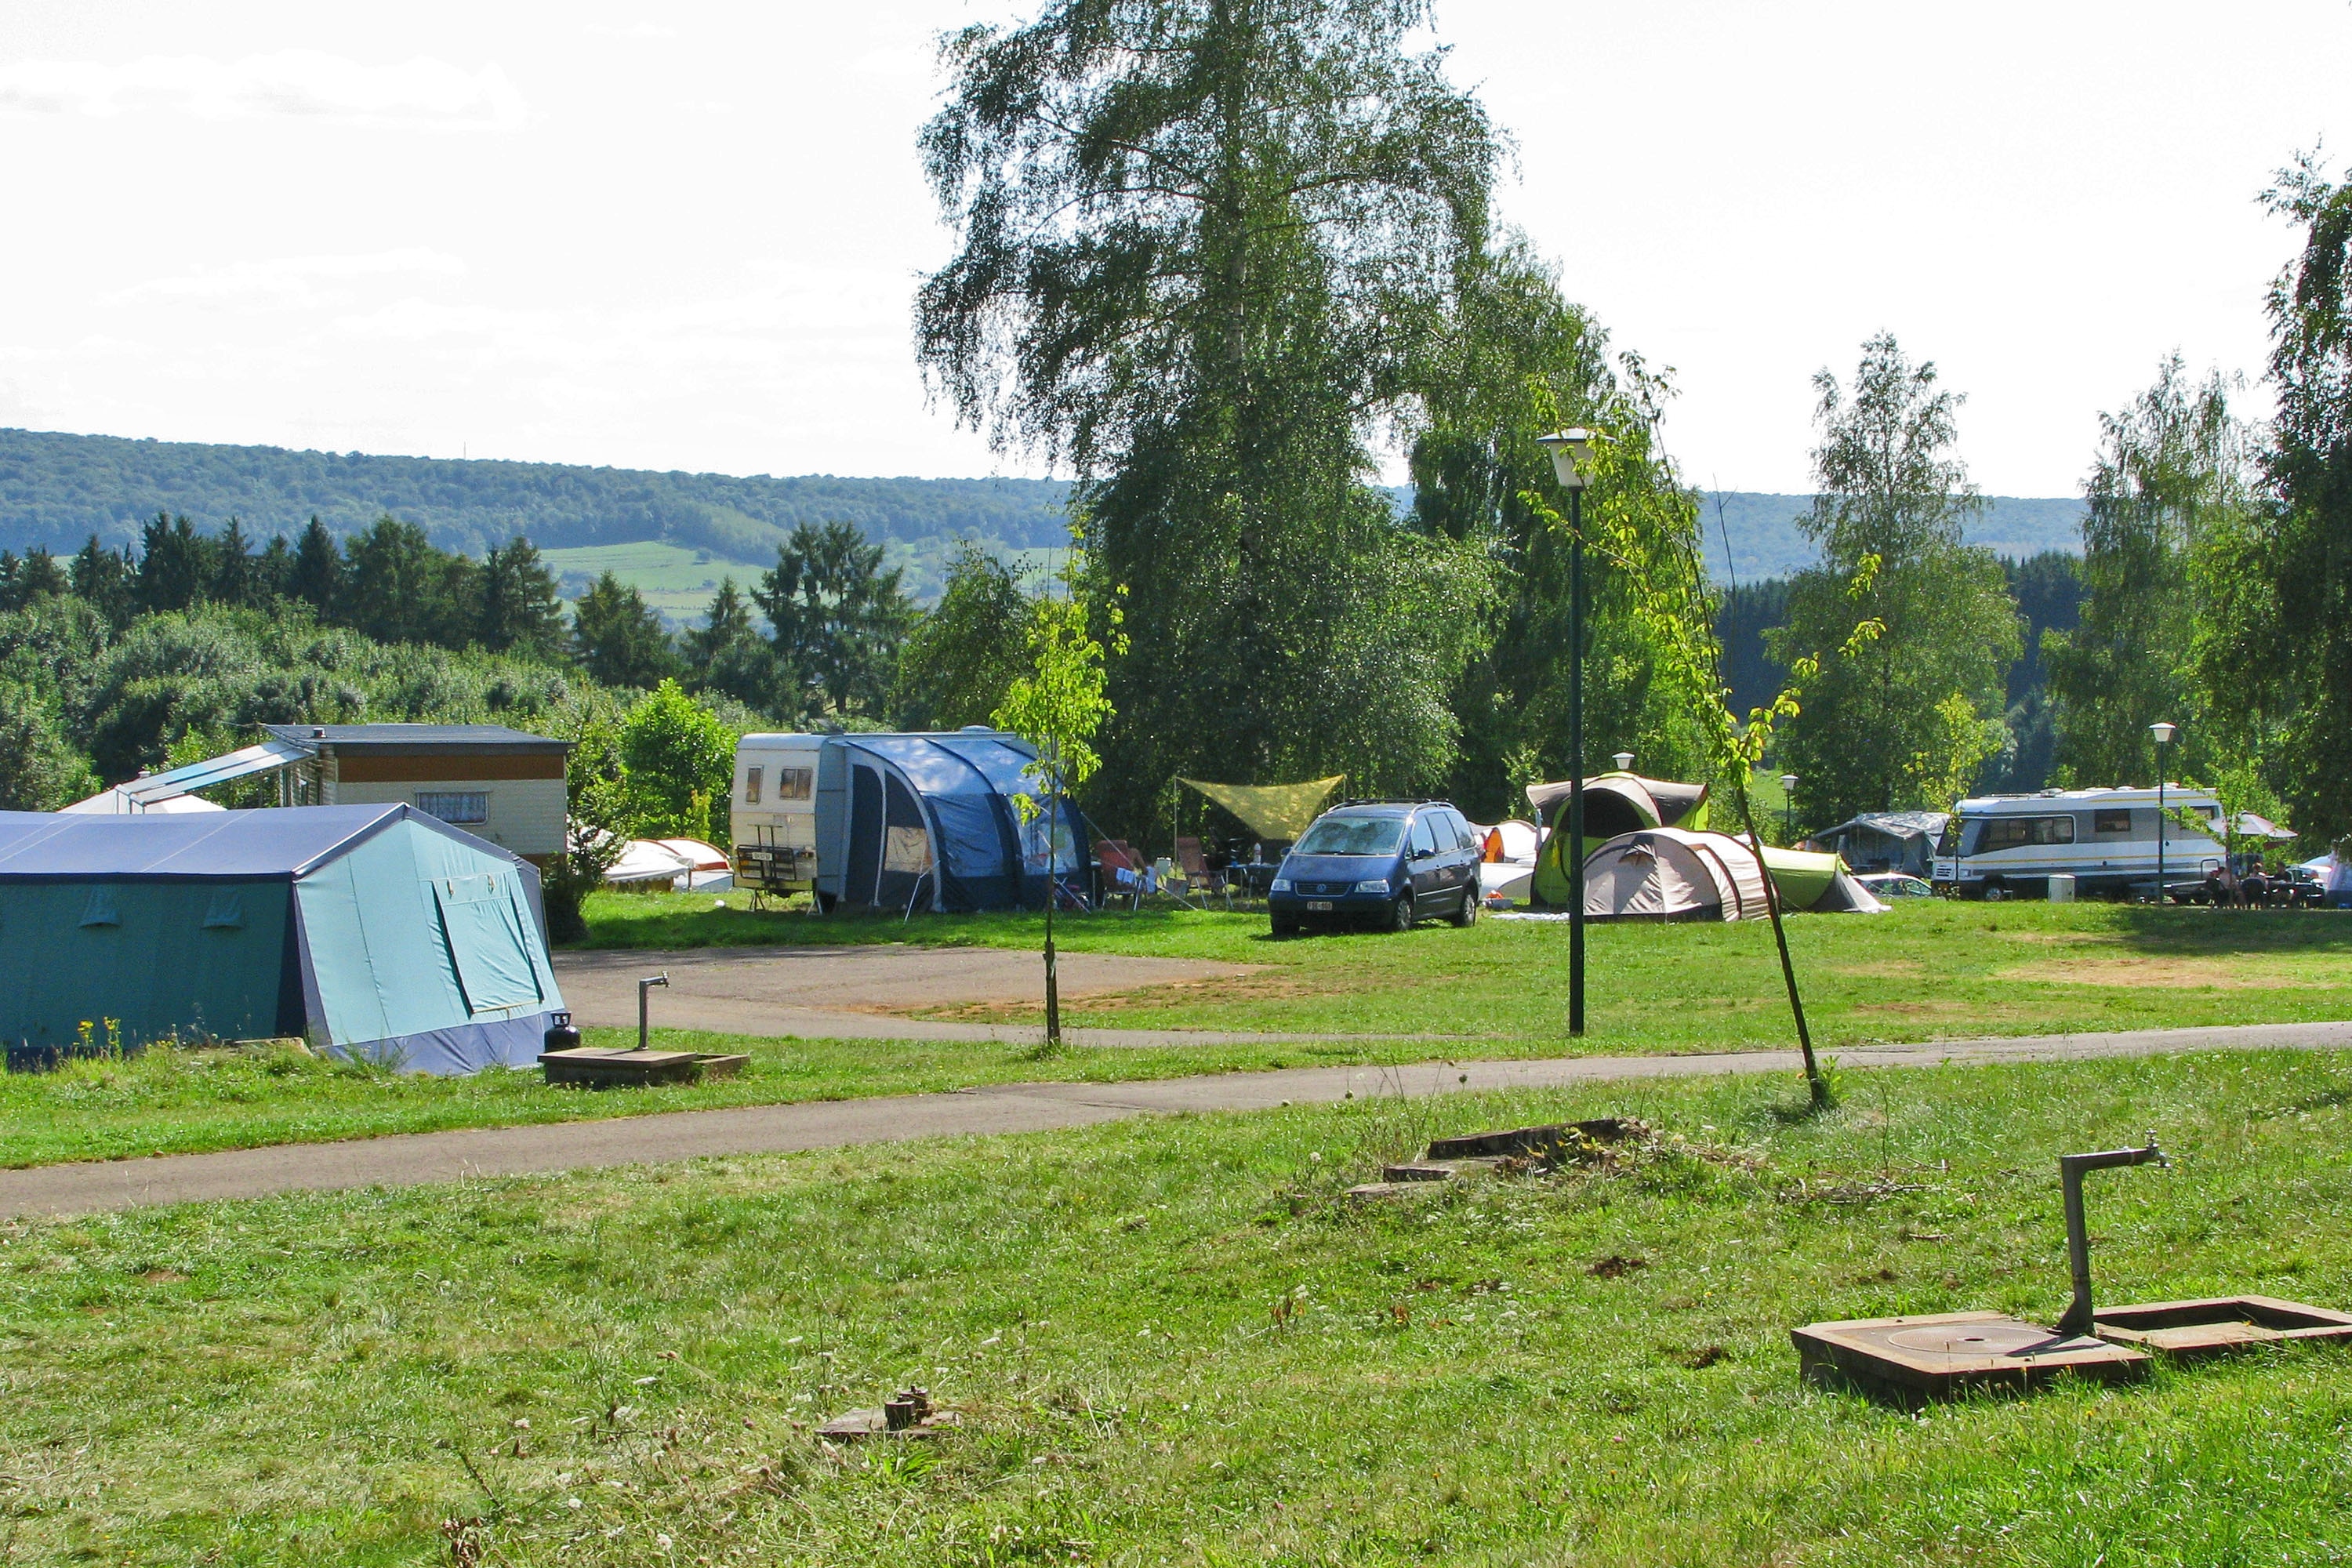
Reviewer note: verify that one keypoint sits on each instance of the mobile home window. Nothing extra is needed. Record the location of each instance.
(2017, 832)
(454, 806)
(751, 786)
(2111, 822)
(793, 783)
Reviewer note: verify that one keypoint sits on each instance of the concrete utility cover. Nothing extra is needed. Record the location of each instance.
(843, 991)
(1942, 1356)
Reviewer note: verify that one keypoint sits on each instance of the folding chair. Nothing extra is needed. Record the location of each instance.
(1115, 858)
(1195, 866)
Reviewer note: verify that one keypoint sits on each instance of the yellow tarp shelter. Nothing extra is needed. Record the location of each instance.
(1276, 811)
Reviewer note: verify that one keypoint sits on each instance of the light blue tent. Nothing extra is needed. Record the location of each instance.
(372, 931)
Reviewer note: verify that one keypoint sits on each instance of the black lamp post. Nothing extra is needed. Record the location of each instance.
(2163, 734)
(1568, 450)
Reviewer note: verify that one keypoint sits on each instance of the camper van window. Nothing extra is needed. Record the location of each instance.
(751, 786)
(793, 783)
(2017, 832)
(2111, 822)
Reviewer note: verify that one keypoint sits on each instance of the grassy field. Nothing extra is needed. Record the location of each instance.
(1172, 1342)
(1497, 990)
(675, 580)
(1928, 969)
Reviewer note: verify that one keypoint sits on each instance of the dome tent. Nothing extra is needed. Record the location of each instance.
(375, 932)
(1667, 874)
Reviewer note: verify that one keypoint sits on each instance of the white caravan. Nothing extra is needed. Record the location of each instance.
(2104, 838)
(772, 815)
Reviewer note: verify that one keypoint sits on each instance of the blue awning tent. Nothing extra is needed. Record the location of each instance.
(372, 931)
(932, 822)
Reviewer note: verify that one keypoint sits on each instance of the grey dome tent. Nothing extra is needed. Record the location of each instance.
(373, 930)
(1668, 874)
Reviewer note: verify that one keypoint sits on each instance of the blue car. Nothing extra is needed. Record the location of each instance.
(1384, 862)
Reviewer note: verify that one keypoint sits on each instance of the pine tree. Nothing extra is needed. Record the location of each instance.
(726, 653)
(520, 609)
(838, 617)
(619, 638)
(316, 578)
(232, 567)
(102, 579)
(174, 565)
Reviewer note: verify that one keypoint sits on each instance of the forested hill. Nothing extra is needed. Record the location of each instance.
(55, 490)
(1765, 542)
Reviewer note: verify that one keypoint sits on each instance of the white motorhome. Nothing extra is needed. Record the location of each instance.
(2104, 838)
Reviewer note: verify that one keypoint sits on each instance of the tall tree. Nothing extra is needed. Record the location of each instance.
(838, 617)
(174, 565)
(233, 578)
(965, 655)
(1203, 244)
(520, 609)
(726, 653)
(102, 578)
(619, 638)
(397, 588)
(681, 760)
(318, 575)
(2172, 469)
(2277, 637)
(1908, 721)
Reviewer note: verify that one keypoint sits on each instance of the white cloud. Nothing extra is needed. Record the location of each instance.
(291, 281)
(636, 30)
(290, 83)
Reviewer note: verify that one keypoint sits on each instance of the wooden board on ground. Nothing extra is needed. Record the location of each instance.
(601, 1068)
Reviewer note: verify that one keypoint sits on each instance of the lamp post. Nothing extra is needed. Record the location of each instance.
(1789, 808)
(1625, 760)
(2163, 734)
(1568, 450)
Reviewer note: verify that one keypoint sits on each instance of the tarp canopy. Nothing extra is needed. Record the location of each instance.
(1886, 841)
(372, 931)
(1276, 811)
(1668, 874)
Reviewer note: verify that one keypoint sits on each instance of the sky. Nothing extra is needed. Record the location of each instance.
(687, 236)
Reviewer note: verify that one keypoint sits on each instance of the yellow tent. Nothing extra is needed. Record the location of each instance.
(1277, 812)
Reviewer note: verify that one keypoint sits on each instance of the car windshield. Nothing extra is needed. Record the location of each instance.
(1353, 835)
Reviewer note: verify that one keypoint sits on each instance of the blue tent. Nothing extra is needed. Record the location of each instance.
(932, 821)
(372, 931)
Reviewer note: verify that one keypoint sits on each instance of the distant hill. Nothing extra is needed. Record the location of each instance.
(677, 533)
(1765, 542)
(57, 489)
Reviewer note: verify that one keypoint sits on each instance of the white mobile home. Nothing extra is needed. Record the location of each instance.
(2104, 838)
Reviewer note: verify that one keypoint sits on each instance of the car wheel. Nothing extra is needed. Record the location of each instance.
(1285, 925)
(1401, 914)
(1468, 913)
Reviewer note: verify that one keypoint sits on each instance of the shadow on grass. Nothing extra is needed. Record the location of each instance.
(2194, 930)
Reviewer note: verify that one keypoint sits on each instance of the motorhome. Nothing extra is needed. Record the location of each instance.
(899, 822)
(2104, 839)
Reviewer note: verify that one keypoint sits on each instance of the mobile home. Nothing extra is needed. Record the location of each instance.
(2104, 838)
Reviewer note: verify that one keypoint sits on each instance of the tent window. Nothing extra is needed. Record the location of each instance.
(98, 908)
(225, 912)
(751, 786)
(454, 806)
(487, 942)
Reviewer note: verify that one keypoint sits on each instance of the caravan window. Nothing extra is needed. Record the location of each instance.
(793, 783)
(751, 786)
(2018, 832)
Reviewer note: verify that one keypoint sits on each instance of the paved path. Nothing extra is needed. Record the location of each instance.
(410, 1159)
(854, 993)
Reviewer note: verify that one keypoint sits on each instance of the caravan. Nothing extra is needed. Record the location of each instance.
(2104, 839)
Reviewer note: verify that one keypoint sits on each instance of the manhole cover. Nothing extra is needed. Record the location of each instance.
(1975, 1338)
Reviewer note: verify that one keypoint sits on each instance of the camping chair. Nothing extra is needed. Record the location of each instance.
(1116, 859)
(1195, 866)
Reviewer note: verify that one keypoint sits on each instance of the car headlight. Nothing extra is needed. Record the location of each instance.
(1373, 885)
(1279, 885)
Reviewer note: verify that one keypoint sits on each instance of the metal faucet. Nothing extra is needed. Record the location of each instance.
(644, 1037)
(2078, 1318)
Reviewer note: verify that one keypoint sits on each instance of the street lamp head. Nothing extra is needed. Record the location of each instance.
(2164, 733)
(1570, 450)
(1625, 760)
(1788, 781)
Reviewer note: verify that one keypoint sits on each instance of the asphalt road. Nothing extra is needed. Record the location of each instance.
(414, 1159)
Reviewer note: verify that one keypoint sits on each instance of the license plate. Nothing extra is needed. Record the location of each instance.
(1320, 906)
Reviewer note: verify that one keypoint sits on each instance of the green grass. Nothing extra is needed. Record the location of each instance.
(674, 579)
(621, 1368)
(1929, 969)
(1498, 990)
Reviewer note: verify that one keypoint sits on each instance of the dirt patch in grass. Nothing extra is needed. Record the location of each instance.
(1263, 986)
(2177, 973)
(1930, 1008)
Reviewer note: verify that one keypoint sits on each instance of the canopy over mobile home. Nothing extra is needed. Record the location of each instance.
(372, 931)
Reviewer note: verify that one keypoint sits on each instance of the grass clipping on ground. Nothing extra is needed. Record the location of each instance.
(1175, 1339)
